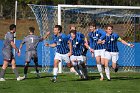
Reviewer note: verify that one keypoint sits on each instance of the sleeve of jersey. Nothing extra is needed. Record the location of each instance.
(11, 38)
(103, 34)
(118, 37)
(90, 40)
(23, 41)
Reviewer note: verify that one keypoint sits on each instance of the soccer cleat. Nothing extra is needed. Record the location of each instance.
(2, 79)
(20, 78)
(53, 80)
(38, 76)
(108, 79)
(117, 67)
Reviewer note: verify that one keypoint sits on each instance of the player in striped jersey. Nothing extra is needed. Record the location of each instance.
(64, 49)
(112, 48)
(77, 54)
(95, 40)
(31, 41)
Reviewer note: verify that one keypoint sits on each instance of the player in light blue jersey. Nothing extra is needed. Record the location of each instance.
(112, 51)
(63, 49)
(96, 36)
(77, 54)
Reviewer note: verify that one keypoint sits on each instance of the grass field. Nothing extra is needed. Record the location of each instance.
(127, 82)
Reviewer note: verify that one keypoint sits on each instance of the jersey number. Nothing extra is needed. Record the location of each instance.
(32, 40)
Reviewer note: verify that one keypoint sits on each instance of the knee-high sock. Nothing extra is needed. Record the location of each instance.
(16, 72)
(2, 73)
(55, 72)
(100, 70)
(107, 71)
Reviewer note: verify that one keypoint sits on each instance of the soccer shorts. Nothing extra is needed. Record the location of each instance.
(112, 55)
(31, 55)
(62, 57)
(7, 55)
(100, 53)
(78, 58)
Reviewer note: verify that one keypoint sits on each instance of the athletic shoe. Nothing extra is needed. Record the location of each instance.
(53, 80)
(108, 79)
(20, 78)
(117, 67)
(38, 76)
(2, 79)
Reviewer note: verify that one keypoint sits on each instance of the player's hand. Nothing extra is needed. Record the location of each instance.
(99, 42)
(91, 50)
(47, 44)
(103, 42)
(19, 53)
(131, 45)
(48, 33)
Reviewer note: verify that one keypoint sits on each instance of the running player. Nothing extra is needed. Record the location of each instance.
(95, 40)
(77, 54)
(31, 41)
(64, 49)
(112, 49)
(8, 54)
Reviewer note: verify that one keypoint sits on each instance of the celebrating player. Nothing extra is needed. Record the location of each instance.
(77, 54)
(8, 54)
(31, 42)
(64, 49)
(95, 40)
(112, 49)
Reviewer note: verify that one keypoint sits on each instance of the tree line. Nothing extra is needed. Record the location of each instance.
(7, 7)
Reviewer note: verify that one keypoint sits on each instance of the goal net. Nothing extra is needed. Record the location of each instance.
(125, 20)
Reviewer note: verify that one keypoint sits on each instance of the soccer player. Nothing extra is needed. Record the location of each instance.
(96, 36)
(112, 49)
(31, 41)
(8, 54)
(77, 54)
(63, 49)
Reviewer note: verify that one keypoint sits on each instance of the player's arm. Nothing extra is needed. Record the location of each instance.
(103, 34)
(51, 45)
(14, 46)
(125, 43)
(87, 46)
(70, 47)
(46, 35)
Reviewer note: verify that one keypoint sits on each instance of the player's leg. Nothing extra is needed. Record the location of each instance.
(115, 57)
(13, 63)
(3, 70)
(27, 61)
(57, 59)
(107, 58)
(36, 64)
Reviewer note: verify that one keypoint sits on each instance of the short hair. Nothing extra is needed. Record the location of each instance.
(12, 26)
(32, 29)
(59, 27)
(109, 25)
(73, 31)
(92, 24)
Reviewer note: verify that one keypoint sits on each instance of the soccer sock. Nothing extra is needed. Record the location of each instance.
(25, 70)
(77, 70)
(2, 73)
(36, 67)
(16, 72)
(55, 71)
(107, 71)
(100, 70)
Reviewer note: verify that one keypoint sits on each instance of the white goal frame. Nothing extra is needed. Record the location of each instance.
(60, 6)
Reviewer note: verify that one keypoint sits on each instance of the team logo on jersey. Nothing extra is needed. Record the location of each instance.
(60, 40)
(97, 34)
(77, 43)
(112, 39)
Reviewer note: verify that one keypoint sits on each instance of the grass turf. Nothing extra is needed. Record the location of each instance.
(127, 82)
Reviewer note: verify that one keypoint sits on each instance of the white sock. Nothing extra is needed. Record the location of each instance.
(55, 71)
(100, 70)
(107, 71)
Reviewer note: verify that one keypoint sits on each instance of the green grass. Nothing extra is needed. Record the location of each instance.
(127, 82)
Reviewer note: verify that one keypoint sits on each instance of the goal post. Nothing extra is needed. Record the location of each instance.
(125, 20)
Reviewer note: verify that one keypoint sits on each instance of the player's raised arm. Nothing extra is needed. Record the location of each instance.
(46, 35)
(124, 42)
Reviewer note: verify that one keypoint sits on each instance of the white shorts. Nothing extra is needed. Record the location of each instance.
(62, 57)
(79, 58)
(112, 55)
(84, 58)
(100, 53)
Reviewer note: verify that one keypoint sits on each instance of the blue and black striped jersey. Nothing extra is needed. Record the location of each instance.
(62, 43)
(94, 37)
(111, 42)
